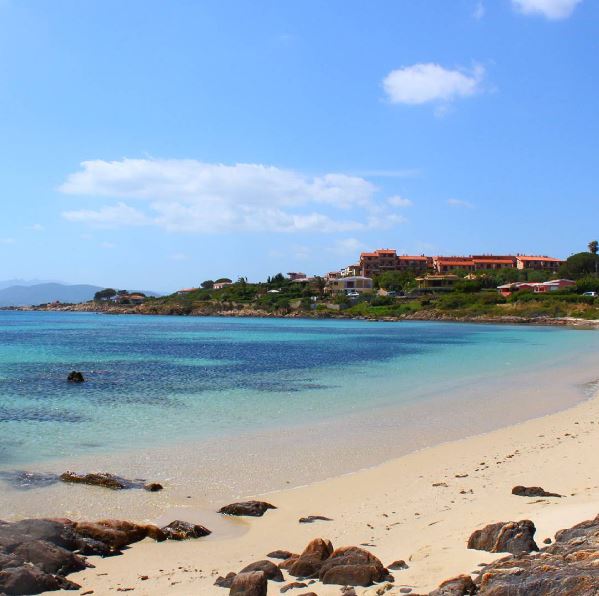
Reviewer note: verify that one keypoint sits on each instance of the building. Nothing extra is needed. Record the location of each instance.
(293, 275)
(333, 275)
(219, 285)
(351, 270)
(449, 264)
(414, 263)
(485, 262)
(436, 281)
(346, 285)
(539, 263)
(537, 287)
(377, 262)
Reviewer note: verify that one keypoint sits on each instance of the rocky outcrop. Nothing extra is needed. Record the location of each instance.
(270, 570)
(253, 583)
(75, 377)
(568, 566)
(352, 566)
(37, 554)
(181, 530)
(511, 537)
(250, 508)
(532, 491)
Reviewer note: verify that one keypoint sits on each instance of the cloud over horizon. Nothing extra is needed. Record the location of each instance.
(185, 195)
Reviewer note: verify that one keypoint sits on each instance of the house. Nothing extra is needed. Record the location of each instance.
(414, 263)
(377, 262)
(296, 275)
(436, 281)
(350, 271)
(219, 285)
(333, 275)
(345, 285)
(536, 287)
(539, 263)
(484, 262)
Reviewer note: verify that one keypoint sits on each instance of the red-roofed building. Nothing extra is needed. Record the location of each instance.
(540, 263)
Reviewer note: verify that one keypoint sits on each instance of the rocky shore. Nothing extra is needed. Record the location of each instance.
(210, 310)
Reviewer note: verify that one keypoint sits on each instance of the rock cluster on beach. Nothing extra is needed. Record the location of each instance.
(36, 555)
(106, 480)
(250, 508)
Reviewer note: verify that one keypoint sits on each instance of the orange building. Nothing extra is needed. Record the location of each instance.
(540, 263)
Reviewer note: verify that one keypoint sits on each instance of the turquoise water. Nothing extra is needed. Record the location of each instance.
(159, 380)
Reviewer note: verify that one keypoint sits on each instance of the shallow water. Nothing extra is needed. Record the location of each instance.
(154, 381)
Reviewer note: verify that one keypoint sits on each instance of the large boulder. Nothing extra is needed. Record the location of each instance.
(352, 566)
(253, 583)
(511, 537)
(250, 508)
(31, 580)
(181, 530)
(311, 560)
(117, 533)
(268, 567)
(103, 479)
(48, 557)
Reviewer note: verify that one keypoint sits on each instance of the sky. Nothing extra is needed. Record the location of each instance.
(151, 144)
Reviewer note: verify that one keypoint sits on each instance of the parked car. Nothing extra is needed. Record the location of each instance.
(353, 294)
(591, 294)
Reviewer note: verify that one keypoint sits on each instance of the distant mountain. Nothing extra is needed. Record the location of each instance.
(7, 283)
(26, 295)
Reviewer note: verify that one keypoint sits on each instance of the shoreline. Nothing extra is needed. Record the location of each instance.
(420, 507)
(432, 316)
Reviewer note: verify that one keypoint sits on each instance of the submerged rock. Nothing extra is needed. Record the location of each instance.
(23, 480)
(511, 537)
(75, 377)
(250, 508)
(107, 480)
(532, 491)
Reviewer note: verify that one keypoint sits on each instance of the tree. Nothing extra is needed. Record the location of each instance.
(579, 265)
(207, 285)
(105, 294)
(593, 248)
(395, 280)
(223, 280)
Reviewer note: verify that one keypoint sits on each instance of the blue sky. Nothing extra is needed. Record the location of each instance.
(156, 144)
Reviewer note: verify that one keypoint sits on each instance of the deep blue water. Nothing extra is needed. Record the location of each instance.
(164, 379)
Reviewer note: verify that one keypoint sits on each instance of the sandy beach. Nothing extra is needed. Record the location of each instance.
(421, 507)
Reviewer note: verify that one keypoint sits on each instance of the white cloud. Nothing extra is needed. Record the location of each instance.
(107, 245)
(397, 201)
(459, 203)
(193, 196)
(479, 11)
(119, 215)
(7, 241)
(179, 256)
(428, 82)
(35, 227)
(550, 9)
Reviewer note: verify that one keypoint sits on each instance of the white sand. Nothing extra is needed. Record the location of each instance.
(393, 507)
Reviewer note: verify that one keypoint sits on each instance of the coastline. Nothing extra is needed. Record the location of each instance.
(428, 315)
(396, 509)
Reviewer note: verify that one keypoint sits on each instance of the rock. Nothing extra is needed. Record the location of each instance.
(75, 377)
(251, 508)
(288, 563)
(532, 491)
(116, 533)
(312, 518)
(456, 586)
(510, 537)
(97, 479)
(293, 585)
(281, 554)
(253, 583)
(153, 487)
(568, 566)
(23, 480)
(48, 557)
(311, 560)
(31, 580)
(267, 567)
(225, 582)
(352, 566)
(398, 565)
(181, 530)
